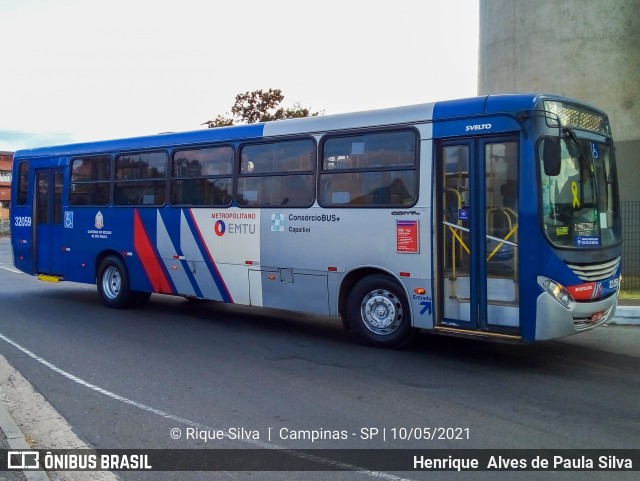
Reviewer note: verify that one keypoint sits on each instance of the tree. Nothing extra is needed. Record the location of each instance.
(260, 106)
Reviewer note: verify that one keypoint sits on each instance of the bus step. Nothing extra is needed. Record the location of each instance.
(48, 278)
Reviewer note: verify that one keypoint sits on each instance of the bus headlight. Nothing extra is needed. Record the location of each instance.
(557, 291)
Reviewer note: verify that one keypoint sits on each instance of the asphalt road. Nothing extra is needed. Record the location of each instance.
(125, 379)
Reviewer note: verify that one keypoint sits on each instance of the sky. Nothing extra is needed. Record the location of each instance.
(82, 70)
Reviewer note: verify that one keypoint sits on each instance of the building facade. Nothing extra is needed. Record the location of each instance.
(6, 159)
(586, 49)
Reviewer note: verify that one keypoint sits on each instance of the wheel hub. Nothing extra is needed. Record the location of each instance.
(382, 312)
(111, 282)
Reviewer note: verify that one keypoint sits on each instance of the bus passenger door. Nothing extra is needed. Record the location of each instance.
(477, 238)
(48, 221)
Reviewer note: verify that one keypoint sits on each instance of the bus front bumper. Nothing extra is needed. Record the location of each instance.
(554, 320)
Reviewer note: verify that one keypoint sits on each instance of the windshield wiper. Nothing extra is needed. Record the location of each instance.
(582, 159)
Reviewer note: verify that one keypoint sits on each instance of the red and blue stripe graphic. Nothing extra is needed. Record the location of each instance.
(177, 260)
(149, 258)
(206, 256)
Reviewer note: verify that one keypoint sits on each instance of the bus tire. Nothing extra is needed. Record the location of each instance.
(113, 284)
(378, 312)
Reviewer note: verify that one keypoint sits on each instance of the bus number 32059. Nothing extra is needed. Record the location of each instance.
(22, 221)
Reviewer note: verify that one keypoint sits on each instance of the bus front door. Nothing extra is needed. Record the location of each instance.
(477, 201)
(48, 221)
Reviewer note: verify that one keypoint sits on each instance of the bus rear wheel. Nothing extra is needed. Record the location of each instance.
(113, 285)
(378, 312)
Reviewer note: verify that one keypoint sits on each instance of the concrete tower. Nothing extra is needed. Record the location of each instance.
(587, 49)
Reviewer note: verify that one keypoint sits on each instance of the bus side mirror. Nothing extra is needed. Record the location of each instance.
(551, 155)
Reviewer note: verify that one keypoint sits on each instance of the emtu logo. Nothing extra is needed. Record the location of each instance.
(219, 228)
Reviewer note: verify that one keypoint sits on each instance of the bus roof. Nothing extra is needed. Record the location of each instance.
(428, 112)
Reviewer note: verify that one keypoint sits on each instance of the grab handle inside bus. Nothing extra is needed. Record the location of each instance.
(551, 155)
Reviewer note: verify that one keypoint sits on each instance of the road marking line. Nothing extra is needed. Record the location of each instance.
(10, 269)
(187, 422)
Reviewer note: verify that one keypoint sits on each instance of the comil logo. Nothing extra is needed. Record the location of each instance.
(220, 228)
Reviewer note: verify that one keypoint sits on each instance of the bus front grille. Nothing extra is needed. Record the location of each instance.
(595, 272)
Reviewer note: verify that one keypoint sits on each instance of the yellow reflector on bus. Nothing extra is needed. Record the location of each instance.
(47, 278)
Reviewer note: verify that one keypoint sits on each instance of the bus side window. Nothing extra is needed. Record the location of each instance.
(277, 173)
(298, 190)
(140, 178)
(249, 189)
(374, 168)
(90, 180)
(340, 188)
(202, 176)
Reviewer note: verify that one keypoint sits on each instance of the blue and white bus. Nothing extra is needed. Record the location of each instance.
(491, 217)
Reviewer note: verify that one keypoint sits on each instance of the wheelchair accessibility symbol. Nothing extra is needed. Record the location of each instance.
(68, 220)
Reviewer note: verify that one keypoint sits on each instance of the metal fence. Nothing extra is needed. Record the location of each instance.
(631, 246)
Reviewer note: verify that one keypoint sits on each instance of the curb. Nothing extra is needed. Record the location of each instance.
(17, 442)
(626, 316)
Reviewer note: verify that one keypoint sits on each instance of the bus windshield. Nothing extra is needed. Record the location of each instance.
(580, 204)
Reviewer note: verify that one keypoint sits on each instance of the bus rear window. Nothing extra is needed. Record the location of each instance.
(371, 169)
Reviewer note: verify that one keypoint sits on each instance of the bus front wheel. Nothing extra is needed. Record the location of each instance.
(378, 312)
(113, 285)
